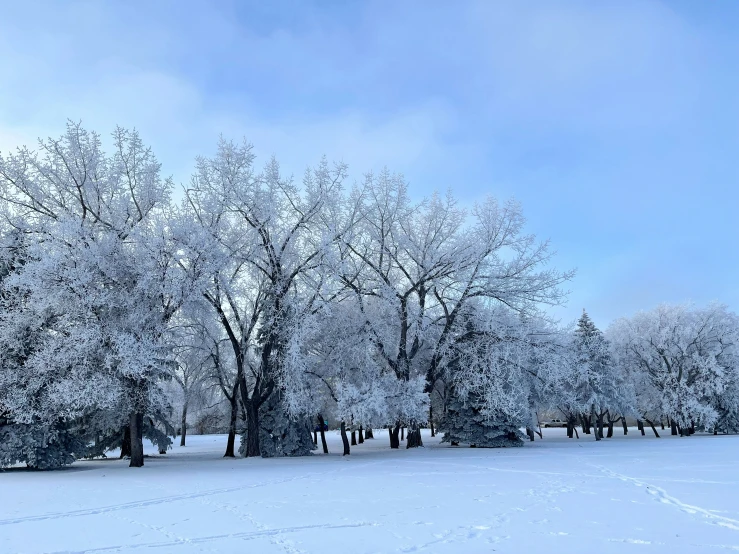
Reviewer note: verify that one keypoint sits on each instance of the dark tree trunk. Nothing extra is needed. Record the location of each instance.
(431, 420)
(323, 434)
(315, 437)
(530, 433)
(360, 435)
(600, 426)
(585, 424)
(184, 425)
(654, 429)
(570, 428)
(414, 436)
(610, 429)
(368, 433)
(126, 442)
(252, 430)
(623, 422)
(137, 440)
(692, 427)
(662, 423)
(231, 442)
(345, 439)
(673, 427)
(640, 426)
(402, 434)
(354, 438)
(394, 436)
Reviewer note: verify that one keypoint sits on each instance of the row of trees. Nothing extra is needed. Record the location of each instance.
(286, 302)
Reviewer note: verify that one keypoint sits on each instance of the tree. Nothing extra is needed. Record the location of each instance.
(273, 239)
(683, 360)
(497, 368)
(101, 283)
(598, 386)
(419, 265)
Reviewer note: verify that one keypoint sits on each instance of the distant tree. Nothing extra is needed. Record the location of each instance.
(683, 360)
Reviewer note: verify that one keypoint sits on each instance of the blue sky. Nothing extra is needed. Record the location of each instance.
(615, 124)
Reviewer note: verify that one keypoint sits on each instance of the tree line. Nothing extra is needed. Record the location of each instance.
(287, 302)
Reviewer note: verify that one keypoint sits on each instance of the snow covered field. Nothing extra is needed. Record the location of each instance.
(627, 494)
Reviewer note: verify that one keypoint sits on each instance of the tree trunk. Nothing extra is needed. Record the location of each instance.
(231, 442)
(623, 421)
(530, 433)
(344, 439)
(394, 436)
(315, 437)
(431, 420)
(610, 429)
(414, 436)
(184, 424)
(252, 430)
(673, 427)
(600, 425)
(692, 427)
(585, 424)
(662, 423)
(570, 427)
(354, 438)
(360, 435)
(323, 434)
(126, 442)
(640, 426)
(402, 434)
(137, 440)
(654, 429)
(368, 433)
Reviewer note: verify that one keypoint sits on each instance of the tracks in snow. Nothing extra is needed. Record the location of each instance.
(246, 535)
(662, 496)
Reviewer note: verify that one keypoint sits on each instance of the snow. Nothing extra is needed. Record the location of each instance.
(626, 494)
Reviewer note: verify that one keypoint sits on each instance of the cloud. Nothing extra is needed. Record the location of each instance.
(611, 121)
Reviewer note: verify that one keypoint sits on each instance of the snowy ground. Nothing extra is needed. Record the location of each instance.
(628, 494)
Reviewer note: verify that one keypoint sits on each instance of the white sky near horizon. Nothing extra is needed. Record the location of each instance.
(615, 124)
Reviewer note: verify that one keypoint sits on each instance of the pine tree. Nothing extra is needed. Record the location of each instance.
(598, 386)
(279, 435)
(463, 422)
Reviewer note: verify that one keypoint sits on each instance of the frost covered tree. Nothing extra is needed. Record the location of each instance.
(39, 443)
(684, 361)
(274, 238)
(489, 393)
(504, 369)
(419, 265)
(101, 281)
(597, 386)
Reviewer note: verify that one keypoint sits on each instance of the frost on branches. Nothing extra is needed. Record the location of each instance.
(274, 238)
(685, 362)
(98, 285)
(279, 303)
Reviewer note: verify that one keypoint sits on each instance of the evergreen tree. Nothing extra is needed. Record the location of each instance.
(464, 422)
(597, 385)
(279, 435)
